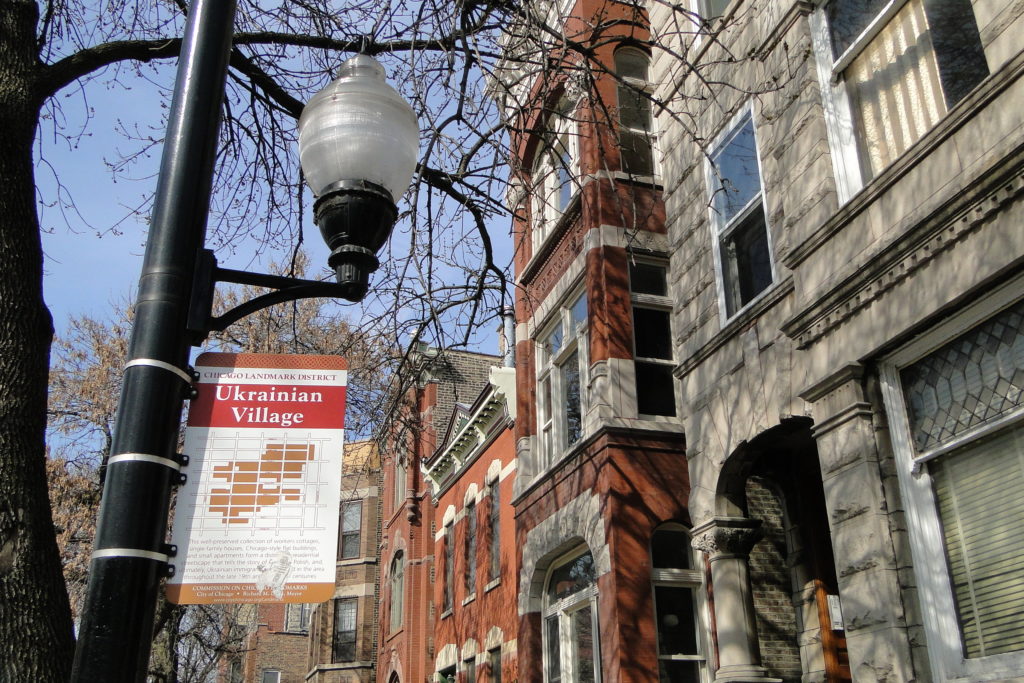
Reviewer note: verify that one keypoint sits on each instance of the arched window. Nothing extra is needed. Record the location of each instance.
(571, 651)
(676, 606)
(636, 124)
(397, 590)
(554, 173)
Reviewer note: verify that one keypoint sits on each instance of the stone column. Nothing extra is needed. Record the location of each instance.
(727, 541)
(862, 524)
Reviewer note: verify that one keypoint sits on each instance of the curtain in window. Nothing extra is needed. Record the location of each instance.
(896, 93)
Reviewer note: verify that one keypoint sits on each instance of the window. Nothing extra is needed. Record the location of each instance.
(652, 339)
(494, 524)
(270, 676)
(494, 664)
(742, 251)
(449, 570)
(554, 174)
(677, 587)
(636, 136)
(469, 667)
(297, 618)
(446, 675)
(400, 483)
(712, 9)
(958, 430)
(890, 70)
(570, 623)
(470, 575)
(343, 648)
(351, 522)
(235, 672)
(397, 591)
(561, 371)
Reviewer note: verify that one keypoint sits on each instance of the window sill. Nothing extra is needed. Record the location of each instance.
(767, 299)
(492, 585)
(469, 598)
(447, 613)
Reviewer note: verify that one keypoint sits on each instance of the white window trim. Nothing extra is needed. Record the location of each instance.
(938, 607)
(693, 579)
(835, 100)
(647, 87)
(718, 230)
(547, 216)
(576, 341)
(564, 609)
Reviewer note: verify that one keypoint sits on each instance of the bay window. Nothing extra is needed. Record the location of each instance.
(958, 429)
(561, 373)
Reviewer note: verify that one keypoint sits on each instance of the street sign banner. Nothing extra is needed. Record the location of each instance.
(257, 518)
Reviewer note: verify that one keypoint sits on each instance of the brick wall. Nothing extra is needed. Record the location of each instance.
(771, 585)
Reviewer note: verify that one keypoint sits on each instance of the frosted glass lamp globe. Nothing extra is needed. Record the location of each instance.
(358, 128)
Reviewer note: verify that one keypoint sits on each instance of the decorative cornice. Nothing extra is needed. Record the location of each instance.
(962, 215)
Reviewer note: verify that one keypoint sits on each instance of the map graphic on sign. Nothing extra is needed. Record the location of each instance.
(253, 485)
(257, 518)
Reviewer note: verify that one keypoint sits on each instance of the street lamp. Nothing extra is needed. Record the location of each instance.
(358, 143)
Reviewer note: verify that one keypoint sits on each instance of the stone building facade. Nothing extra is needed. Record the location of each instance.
(818, 205)
(471, 477)
(438, 381)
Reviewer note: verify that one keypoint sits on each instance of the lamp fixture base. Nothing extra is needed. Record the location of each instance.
(355, 219)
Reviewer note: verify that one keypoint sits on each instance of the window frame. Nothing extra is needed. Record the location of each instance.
(552, 415)
(494, 525)
(274, 673)
(448, 587)
(850, 166)
(691, 579)
(494, 664)
(344, 533)
(396, 584)
(336, 641)
(654, 302)
(643, 89)
(723, 229)
(937, 601)
(557, 154)
(470, 548)
(564, 610)
(300, 611)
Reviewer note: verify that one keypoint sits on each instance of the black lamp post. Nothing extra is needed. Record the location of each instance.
(358, 143)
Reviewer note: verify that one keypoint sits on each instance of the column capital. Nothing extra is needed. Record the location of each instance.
(727, 536)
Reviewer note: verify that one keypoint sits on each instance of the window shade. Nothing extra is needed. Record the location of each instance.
(982, 511)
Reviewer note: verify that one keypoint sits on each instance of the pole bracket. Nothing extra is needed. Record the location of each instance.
(201, 320)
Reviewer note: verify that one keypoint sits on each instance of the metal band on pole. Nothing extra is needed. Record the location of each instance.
(130, 552)
(159, 364)
(142, 457)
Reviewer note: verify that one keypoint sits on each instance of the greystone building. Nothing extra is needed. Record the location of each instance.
(843, 199)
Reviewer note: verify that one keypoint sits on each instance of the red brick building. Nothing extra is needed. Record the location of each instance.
(471, 477)
(609, 586)
(439, 381)
(273, 648)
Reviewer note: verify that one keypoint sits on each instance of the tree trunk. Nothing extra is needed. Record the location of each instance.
(36, 640)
